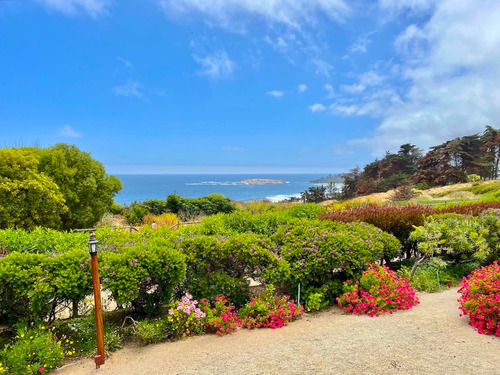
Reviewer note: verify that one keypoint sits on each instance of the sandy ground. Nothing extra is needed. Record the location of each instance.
(429, 339)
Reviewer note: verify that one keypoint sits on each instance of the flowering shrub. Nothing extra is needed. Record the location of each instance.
(379, 290)
(221, 319)
(318, 250)
(184, 318)
(480, 299)
(270, 312)
(223, 267)
(35, 350)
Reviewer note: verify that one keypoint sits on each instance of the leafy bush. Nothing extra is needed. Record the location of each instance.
(269, 312)
(379, 290)
(42, 240)
(453, 237)
(35, 350)
(26, 287)
(224, 267)
(144, 276)
(134, 213)
(221, 319)
(317, 251)
(242, 222)
(72, 277)
(480, 299)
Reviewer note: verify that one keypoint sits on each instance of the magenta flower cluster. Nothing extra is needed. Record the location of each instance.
(379, 291)
(480, 299)
(273, 314)
(221, 319)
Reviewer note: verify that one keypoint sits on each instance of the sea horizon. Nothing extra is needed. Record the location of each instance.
(141, 187)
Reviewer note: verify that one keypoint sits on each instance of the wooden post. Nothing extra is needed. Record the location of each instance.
(99, 358)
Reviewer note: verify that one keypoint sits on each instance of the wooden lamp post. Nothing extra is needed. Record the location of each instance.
(99, 358)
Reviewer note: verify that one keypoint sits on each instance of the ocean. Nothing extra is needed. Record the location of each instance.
(143, 187)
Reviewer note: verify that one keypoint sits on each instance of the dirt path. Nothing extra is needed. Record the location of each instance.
(429, 339)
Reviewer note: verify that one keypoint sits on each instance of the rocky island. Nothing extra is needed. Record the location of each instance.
(262, 181)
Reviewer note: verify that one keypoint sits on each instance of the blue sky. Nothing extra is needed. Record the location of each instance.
(246, 86)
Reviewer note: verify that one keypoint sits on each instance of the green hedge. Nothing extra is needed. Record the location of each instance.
(225, 266)
(318, 250)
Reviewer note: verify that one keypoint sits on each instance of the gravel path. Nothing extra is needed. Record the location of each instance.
(429, 339)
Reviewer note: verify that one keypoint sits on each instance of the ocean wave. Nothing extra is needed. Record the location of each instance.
(282, 197)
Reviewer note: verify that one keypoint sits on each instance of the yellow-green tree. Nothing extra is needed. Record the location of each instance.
(27, 198)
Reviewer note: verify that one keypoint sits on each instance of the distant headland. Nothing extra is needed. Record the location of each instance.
(262, 181)
(336, 178)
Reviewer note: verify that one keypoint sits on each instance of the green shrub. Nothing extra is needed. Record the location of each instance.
(35, 350)
(26, 287)
(42, 240)
(116, 209)
(72, 277)
(223, 267)
(144, 276)
(453, 237)
(319, 251)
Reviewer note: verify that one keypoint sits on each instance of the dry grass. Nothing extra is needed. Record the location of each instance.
(161, 220)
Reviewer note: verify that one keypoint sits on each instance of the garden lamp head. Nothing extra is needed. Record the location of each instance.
(93, 244)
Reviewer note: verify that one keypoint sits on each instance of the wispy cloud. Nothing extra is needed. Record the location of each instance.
(330, 91)
(322, 67)
(317, 107)
(302, 88)
(127, 64)
(294, 13)
(94, 8)
(275, 93)
(216, 66)
(68, 132)
(131, 88)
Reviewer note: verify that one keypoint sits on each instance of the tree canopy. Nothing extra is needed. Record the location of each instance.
(451, 162)
(59, 187)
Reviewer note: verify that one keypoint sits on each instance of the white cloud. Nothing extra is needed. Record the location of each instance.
(353, 89)
(216, 66)
(317, 107)
(72, 7)
(68, 132)
(302, 88)
(131, 88)
(294, 13)
(451, 72)
(275, 93)
(329, 89)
